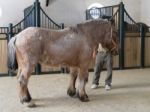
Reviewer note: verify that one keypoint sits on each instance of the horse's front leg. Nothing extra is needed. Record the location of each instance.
(23, 77)
(83, 78)
(73, 76)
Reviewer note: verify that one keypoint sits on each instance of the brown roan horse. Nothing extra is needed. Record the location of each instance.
(72, 47)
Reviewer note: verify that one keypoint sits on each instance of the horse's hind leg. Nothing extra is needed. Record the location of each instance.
(83, 78)
(73, 76)
(23, 77)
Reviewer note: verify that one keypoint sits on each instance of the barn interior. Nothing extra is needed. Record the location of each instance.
(48, 85)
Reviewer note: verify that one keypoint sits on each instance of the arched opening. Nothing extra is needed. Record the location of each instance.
(94, 11)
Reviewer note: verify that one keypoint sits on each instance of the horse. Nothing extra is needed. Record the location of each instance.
(72, 47)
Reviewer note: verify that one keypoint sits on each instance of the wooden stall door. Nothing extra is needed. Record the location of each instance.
(3, 55)
(132, 50)
(147, 50)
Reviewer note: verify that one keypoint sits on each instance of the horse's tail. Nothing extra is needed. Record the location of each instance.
(12, 61)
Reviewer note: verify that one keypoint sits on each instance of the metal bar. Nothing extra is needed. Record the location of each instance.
(37, 9)
(45, 22)
(37, 24)
(121, 35)
(142, 35)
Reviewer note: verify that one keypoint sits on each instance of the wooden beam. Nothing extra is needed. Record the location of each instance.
(47, 3)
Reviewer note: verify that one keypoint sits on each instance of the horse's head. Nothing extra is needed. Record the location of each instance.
(113, 40)
(100, 31)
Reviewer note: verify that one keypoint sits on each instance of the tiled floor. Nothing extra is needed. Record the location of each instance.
(130, 93)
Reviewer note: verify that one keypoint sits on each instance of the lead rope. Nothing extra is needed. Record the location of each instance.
(113, 42)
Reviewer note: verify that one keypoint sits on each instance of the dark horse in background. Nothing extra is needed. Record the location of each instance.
(72, 47)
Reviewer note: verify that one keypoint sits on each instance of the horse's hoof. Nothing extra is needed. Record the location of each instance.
(26, 98)
(83, 98)
(29, 97)
(71, 93)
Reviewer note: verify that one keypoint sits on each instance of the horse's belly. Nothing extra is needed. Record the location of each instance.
(56, 60)
(65, 51)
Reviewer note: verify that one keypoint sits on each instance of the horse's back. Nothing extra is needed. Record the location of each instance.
(52, 46)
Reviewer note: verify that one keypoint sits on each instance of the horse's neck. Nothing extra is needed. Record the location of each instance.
(91, 35)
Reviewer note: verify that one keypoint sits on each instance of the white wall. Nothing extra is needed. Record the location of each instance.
(69, 12)
(133, 7)
(73, 11)
(145, 11)
(12, 10)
